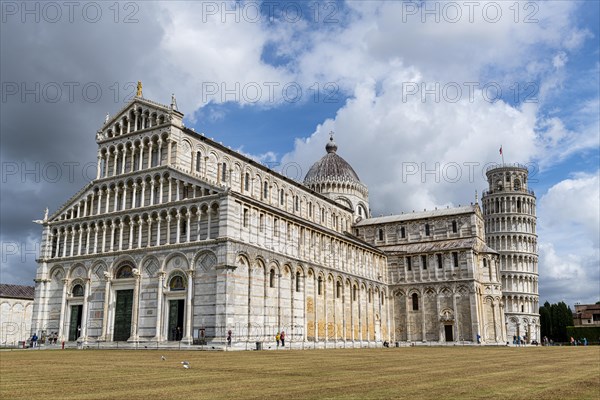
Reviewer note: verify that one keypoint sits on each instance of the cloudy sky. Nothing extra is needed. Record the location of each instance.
(421, 96)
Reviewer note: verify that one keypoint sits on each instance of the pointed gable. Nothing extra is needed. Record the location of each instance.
(137, 115)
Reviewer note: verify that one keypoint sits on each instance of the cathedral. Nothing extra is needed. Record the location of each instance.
(181, 239)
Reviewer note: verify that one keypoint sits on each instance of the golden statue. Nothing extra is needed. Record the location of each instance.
(139, 89)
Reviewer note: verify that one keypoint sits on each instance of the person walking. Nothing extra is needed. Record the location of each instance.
(34, 340)
(282, 336)
(277, 338)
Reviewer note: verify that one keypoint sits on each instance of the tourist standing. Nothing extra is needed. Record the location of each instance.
(34, 340)
(282, 339)
(277, 338)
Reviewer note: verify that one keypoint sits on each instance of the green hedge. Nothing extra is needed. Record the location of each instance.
(591, 333)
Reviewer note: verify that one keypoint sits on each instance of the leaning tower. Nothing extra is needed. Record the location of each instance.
(510, 229)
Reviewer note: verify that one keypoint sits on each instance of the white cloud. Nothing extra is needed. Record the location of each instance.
(569, 238)
(416, 154)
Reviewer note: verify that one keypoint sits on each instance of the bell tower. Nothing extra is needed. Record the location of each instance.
(510, 225)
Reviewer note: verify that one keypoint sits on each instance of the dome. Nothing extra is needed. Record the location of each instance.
(331, 167)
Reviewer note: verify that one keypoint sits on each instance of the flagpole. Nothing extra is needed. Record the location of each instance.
(502, 154)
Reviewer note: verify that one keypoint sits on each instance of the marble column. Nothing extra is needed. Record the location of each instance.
(188, 307)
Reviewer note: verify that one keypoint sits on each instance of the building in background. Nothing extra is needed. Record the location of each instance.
(16, 305)
(586, 315)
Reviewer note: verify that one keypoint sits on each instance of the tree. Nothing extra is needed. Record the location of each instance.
(554, 319)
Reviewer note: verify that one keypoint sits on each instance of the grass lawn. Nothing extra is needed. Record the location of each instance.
(397, 373)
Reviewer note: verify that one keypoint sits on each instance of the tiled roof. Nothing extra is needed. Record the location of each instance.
(418, 215)
(440, 245)
(16, 291)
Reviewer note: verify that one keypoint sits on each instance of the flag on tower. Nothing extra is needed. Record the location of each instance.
(501, 150)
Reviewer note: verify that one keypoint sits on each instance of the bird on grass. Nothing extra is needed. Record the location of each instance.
(185, 364)
(163, 358)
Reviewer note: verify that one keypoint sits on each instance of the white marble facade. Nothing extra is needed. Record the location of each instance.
(182, 238)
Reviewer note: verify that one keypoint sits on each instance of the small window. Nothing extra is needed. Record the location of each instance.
(338, 290)
(439, 261)
(320, 286)
(186, 191)
(224, 172)
(297, 281)
(310, 206)
(281, 197)
(415, 302)
(265, 190)
(247, 181)
(245, 220)
(77, 291)
(455, 260)
(409, 263)
(402, 232)
(424, 262)
(454, 227)
(183, 227)
(276, 227)
(261, 224)
(382, 298)
(380, 233)
(354, 293)
(272, 278)
(484, 263)
(427, 230)
(297, 203)
(370, 296)
(177, 283)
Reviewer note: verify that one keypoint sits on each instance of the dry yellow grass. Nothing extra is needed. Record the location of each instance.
(398, 373)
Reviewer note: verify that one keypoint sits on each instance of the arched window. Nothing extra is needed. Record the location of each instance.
(183, 227)
(427, 230)
(320, 286)
(370, 295)
(297, 205)
(224, 172)
(198, 161)
(281, 197)
(177, 283)
(125, 272)
(77, 291)
(415, 302)
(454, 227)
(380, 233)
(272, 278)
(247, 181)
(266, 190)
(154, 157)
(338, 290)
(297, 281)
(402, 232)
(354, 292)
